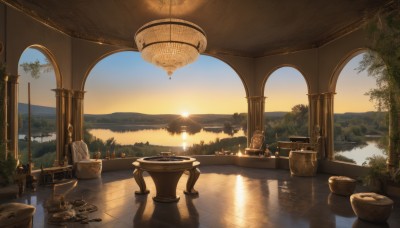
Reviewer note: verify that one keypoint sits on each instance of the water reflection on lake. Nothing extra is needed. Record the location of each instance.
(360, 154)
(161, 137)
(39, 138)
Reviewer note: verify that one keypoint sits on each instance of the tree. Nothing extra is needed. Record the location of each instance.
(34, 68)
(382, 61)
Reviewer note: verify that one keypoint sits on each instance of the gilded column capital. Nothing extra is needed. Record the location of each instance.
(62, 92)
(314, 95)
(328, 95)
(13, 79)
(5, 78)
(78, 94)
(255, 98)
(68, 93)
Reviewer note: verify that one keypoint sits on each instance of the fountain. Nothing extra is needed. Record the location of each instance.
(166, 170)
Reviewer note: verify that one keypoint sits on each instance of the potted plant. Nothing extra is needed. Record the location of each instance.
(377, 176)
(7, 168)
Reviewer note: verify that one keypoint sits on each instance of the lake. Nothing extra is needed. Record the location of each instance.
(161, 137)
(359, 154)
(40, 138)
(164, 138)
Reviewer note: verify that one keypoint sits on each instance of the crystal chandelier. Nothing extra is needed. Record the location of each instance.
(170, 43)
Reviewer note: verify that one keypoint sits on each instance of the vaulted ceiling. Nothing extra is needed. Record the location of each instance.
(251, 28)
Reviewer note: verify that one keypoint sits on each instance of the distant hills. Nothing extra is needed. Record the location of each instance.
(140, 118)
(36, 110)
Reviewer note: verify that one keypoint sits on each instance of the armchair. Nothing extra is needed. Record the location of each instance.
(85, 168)
(256, 145)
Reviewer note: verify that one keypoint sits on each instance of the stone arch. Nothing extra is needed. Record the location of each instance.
(94, 63)
(339, 67)
(269, 73)
(46, 52)
(245, 85)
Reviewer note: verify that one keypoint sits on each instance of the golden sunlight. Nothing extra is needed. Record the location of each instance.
(185, 114)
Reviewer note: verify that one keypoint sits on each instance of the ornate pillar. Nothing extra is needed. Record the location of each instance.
(68, 109)
(315, 122)
(13, 114)
(5, 114)
(60, 124)
(255, 116)
(327, 124)
(77, 114)
(313, 116)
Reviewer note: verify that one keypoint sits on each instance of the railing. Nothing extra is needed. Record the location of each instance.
(296, 146)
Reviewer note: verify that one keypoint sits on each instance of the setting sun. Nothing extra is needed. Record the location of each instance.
(185, 114)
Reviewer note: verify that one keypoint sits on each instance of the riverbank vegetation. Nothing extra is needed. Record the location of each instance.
(350, 130)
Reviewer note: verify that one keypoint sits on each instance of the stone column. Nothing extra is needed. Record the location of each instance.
(315, 101)
(5, 114)
(313, 116)
(68, 111)
(60, 124)
(77, 114)
(255, 115)
(12, 110)
(327, 124)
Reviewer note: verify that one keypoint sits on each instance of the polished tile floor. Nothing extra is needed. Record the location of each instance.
(229, 196)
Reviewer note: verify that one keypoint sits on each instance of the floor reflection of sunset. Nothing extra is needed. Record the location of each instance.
(240, 198)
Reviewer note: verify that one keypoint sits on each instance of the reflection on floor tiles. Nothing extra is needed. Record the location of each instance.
(229, 196)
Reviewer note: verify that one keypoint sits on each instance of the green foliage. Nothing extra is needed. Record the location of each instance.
(383, 63)
(350, 129)
(228, 144)
(35, 68)
(292, 123)
(7, 169)
(377, 173)
(46, 160)
(41, 124)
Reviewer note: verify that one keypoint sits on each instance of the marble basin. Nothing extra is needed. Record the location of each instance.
(166, 171)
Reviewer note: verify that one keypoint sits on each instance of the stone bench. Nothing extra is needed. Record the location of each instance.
(342, 185)
(371, 207)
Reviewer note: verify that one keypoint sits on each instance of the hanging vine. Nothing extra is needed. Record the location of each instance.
(36, 68)
(382, 61)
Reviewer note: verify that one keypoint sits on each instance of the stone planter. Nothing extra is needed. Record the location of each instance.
(303, 163)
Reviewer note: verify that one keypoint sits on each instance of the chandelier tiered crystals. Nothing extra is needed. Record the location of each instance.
(170, 43)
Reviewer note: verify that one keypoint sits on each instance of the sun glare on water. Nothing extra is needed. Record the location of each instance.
(185, 114)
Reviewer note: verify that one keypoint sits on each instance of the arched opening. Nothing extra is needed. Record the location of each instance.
(359, 130)
(37, 68)
(286, 106)
(132, 108)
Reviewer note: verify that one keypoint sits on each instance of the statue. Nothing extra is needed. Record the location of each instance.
(70, 130)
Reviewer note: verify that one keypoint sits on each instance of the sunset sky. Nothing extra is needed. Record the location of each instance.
(123, 82)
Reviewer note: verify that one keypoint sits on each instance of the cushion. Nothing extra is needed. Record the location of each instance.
(80, 151)
(16, 215)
